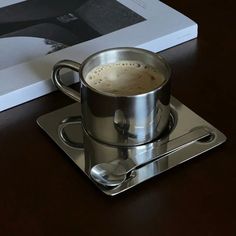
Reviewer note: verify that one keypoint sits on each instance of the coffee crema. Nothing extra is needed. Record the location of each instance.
(125, 78)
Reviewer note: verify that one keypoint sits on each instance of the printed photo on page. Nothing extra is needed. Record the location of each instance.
(33, 28)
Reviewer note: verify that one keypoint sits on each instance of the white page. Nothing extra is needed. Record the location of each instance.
(4, 3)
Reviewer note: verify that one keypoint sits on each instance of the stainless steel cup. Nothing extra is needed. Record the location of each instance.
(114, 119)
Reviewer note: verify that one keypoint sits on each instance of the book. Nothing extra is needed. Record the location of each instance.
(37, 34)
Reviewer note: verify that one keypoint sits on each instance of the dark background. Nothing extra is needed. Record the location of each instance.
(44, 193)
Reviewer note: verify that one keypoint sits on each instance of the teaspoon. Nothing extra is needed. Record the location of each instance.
(113, 174)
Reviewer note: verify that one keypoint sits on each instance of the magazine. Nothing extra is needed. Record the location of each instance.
(35, 34)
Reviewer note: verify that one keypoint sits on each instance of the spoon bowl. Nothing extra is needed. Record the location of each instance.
(109, 174)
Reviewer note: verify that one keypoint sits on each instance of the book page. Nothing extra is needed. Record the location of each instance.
(34, 37)
(34, 28)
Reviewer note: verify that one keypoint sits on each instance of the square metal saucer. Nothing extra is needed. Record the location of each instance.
(185, 121)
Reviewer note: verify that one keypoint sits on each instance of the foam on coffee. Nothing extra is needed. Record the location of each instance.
(124, 78)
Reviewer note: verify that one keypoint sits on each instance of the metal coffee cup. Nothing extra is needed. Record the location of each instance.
(118, 119)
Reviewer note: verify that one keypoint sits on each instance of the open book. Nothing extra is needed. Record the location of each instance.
(35, 34)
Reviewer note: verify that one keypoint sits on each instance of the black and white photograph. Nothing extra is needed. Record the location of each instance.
(34, 28)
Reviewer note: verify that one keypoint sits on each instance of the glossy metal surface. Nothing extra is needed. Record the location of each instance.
(95, 152)
(128, 118)
(114, 173)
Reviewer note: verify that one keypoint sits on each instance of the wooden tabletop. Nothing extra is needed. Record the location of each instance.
(43, 193)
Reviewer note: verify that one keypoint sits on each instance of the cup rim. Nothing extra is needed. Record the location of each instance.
(82, 79)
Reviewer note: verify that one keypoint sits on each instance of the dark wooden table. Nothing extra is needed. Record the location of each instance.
(44, 193)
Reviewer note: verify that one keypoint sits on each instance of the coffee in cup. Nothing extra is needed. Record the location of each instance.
(125, 78)
(124, 95)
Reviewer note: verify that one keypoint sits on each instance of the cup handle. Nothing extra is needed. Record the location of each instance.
(62, 134)
(56, 78)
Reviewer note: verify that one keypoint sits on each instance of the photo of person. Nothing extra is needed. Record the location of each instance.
(33, 28)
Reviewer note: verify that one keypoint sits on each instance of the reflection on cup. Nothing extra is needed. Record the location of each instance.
(124, 95)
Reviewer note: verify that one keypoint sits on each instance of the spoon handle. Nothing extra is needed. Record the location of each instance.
(166, 148)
